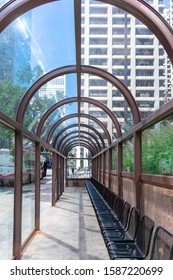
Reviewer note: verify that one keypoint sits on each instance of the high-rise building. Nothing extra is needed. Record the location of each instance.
(119, 43)
(55, 88)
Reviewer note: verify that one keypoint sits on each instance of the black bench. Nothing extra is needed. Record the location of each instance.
(135, 249)
(162, 248)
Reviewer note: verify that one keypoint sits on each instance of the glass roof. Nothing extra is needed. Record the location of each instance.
(107, 66)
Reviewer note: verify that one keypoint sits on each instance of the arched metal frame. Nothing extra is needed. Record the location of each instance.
(58, 139)
(82, 99)
(84, 69)
(82, 144)
(146, 14)
(84, 116)
(83, 138)
(138, 8)
(61, 142)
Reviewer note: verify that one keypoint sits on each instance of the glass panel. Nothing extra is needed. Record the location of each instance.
(122, 45)
(157, 149)
(100, 114)
(115, 158)
(61, 127)
(31, 46)
(49, 94)
(162, 6)
(3, 2)
(48, 156)
(107, 160)
(28, 189)
(57, 115)
(7, 162)
(128, 155)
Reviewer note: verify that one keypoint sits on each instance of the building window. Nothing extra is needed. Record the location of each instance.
(101, 31)
(145, 93)
(144, 83)
(123, 51)
(145, 62)
(100, 93)
(97, 83)
(98, 10)
(145, 52)
(121, 20)
(143, 31)
(120, 41)
(98, 41)
(101, 61)
(141, 41)
(98, 51)
(141, 72)
(94, 20)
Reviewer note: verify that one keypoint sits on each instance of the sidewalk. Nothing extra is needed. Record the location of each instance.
(69, 231)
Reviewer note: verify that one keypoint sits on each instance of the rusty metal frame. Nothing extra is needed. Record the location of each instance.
(57, 139)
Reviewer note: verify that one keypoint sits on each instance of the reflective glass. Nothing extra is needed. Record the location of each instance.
(63, 125)
(128, 155)
(96, 126)
(115, 158)
(32, 45)
(7, 165)
(56, 116)
(157, 150)
(3, 2)
(28, 188)
(100, 114)
(122, 45)
(161, 6)
(49, 94)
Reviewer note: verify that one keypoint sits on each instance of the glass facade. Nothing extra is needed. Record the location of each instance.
(7, 184)
(128, 155)
(28, 188)
(157, 151)
(104, 78)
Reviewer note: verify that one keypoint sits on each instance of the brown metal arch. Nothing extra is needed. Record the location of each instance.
(75, 125)
(79, 136)
(35, 87)
(75, 144)
(84, 69)
(70, 126)
(88, 117)
(81, 139)
(138, 8)
(75, 99)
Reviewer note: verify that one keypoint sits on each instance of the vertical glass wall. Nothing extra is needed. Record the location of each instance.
(115, 158)
(107, 160)
(7, 162)
(157, 148)
(128, 155)
(28, 189)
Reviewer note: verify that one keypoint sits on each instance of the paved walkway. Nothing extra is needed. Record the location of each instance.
(69, 231)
